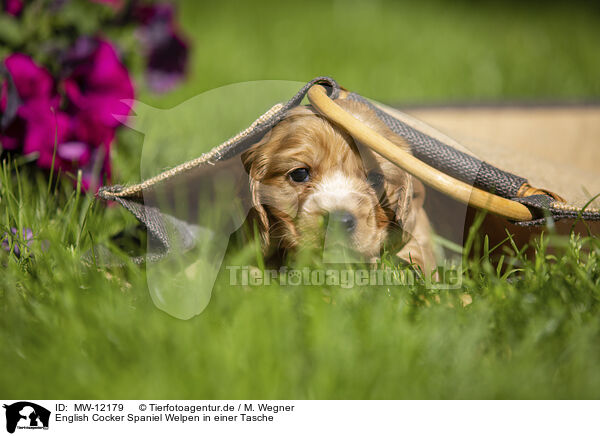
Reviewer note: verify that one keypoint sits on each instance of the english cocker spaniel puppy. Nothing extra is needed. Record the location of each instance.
(310, 180)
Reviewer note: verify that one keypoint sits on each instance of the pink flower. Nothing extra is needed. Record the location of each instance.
(78, 135)
(166, 50)
(74, 151)
(94, 88)
(33, 88)
(88, 128)
(75, 132)
(98, 84)
(46, 127)
(12, 7)
(31, 80)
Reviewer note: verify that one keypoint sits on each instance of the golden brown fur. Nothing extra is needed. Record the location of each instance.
(341, 177)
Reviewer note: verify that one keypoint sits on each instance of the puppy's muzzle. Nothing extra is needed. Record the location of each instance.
(341, 219)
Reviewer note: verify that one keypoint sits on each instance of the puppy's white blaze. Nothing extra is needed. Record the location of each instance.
(335, 191)
(337, 184)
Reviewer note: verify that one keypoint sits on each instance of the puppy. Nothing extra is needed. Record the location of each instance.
(308, 176)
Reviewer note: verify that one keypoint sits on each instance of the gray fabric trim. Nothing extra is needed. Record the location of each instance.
(543, 205)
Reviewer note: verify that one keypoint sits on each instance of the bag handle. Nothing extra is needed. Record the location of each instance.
(438, 180)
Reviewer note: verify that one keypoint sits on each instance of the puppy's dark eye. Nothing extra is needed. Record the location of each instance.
(300, 175)
(375, 179)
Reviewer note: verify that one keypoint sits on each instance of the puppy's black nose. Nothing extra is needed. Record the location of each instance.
(344, 219)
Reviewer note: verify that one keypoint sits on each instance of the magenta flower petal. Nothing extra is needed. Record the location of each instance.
(30, 80)
(13, 7)
(73, 92)
(99, 83)
(88, 128)
(108, 73)
(107, 109)
(74, 151)
(44, 130)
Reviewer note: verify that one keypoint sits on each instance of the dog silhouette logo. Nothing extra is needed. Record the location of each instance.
(26, 415)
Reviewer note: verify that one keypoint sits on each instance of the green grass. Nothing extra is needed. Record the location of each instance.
(72, 331)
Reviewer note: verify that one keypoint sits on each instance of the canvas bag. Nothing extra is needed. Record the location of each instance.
(428, 145)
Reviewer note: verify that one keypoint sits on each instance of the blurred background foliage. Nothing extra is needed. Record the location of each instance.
(400, 51)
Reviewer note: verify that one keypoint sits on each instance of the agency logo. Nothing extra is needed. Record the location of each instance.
(26, 415)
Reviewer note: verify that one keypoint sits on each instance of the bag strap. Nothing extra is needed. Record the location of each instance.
(440, 164)
(435, 178)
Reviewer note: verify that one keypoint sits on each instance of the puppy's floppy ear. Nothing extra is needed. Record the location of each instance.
(255, 163)
(415, 225)
(410, 199)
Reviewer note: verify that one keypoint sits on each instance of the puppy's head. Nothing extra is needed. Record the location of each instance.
(309, 180)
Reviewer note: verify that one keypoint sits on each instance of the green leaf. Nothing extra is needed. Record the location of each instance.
(11, 33)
